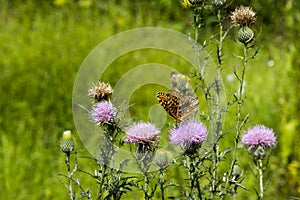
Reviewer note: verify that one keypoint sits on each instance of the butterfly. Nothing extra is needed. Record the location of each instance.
(177, 105)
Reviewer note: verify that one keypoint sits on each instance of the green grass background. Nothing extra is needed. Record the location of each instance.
(43, 43)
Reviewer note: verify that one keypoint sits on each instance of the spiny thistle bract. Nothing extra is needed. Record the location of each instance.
(67, 142)
(245, 35)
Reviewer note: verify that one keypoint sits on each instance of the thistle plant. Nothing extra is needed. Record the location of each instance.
(189, 136)
(104, 114)
(67, 146)
(244, 18)
(112, 184)
(258, 140)
(145, 138)
(161, 160)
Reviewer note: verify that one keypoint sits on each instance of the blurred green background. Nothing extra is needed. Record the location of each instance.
(43, 43)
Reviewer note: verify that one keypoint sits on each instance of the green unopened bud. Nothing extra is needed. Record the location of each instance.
(161, 158)
(67, 142)
(183, 84)
(219, 3)
(245, 35)
(237, 172)
(180, 83)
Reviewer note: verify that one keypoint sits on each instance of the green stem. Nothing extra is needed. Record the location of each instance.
(101, 183)
(146, 184)
(161, 183)
(239, 121)
(198, 24)
(261, 184)
(193, 177)
(191, 170)
(217, 105)
(72, 197)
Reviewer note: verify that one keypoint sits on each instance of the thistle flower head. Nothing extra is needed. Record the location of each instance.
(103, 112)
(100, 91)
(67, 142)
(243, 16)
(142, 132)
(259, 135)
(188, 133)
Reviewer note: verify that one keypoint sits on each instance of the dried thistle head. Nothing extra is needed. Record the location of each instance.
(100, 91)
(243, 16)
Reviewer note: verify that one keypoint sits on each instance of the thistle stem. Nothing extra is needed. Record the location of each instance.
(161, 183)
(193, 169)
(239, 121)
(72, 196)
(217, 105)
(103, 172)
(146, 184)
(261, 184)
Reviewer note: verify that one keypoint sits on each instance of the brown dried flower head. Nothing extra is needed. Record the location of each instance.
(100, 91)
(243, 16)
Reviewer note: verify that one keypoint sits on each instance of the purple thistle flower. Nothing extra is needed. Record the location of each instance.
(187, 133)
(103, 112)
(141, 132)
(259, 135)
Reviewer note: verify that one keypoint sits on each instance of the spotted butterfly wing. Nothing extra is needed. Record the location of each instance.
(188, 105)
(169, 102)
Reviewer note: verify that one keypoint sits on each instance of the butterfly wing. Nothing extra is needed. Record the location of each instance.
(170, 102)
(187, 105)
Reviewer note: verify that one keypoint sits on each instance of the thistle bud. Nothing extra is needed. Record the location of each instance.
(161, 158)
(219, 3)
(236, 173)
(180, 83)
(245, 35)
(67, 142)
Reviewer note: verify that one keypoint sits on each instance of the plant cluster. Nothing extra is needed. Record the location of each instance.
(198, 156)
